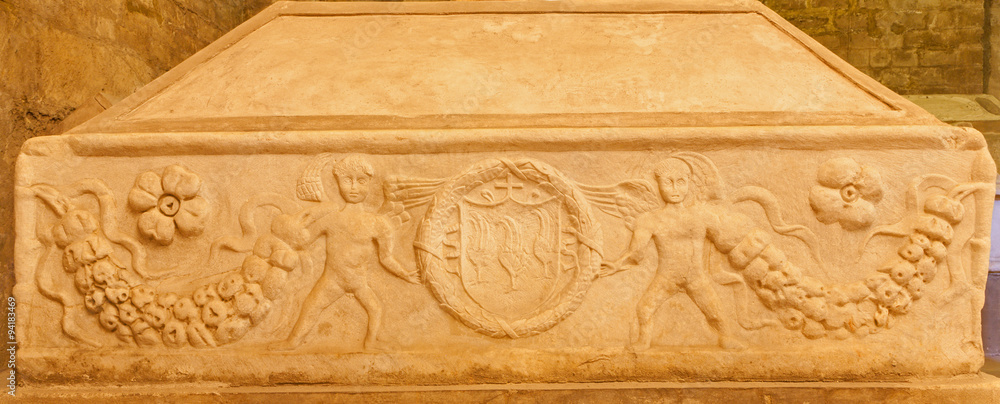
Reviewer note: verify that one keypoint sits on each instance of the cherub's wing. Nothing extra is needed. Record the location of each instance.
(402, 194)
(625, 200)
(309, 187)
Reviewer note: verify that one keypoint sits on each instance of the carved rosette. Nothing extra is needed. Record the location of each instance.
(509, 248)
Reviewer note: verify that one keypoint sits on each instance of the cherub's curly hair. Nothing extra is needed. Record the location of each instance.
(353, 163)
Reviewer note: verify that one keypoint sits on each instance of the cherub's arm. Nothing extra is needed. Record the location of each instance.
(641, 237)
(310, 220)
(726, 227)
(385, 242)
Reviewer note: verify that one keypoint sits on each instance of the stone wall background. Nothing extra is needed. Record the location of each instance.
(61, 56)
(911, 46)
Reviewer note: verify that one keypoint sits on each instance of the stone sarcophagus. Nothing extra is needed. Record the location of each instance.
(469, 193)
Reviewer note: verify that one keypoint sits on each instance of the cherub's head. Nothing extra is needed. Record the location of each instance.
(353, 175)
(673, 176)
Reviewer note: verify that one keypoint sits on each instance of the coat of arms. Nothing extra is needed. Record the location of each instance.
(508, 247)
(510, 259)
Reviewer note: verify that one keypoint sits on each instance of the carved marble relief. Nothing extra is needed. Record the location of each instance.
(170, 203)
(509, 247)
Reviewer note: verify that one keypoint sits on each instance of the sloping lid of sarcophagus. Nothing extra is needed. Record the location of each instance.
(315, 66)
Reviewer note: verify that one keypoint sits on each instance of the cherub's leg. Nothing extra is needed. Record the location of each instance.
(660, 289)
(704, 296)
(322, 296)
(371, 304)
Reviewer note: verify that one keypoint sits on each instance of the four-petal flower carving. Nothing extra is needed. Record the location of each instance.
(170, 203)
(846, 194)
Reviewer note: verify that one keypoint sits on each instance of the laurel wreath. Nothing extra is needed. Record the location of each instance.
(445, 286)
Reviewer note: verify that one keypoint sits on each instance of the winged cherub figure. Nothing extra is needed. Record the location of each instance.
(353, 236)
(679, 230)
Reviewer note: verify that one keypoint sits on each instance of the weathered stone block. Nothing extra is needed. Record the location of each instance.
(880, 58)
(858, 56)
(970, 57)
(938, 58)
(926, 39)
(913, 19)
(970, 16)
(963, 35)
(893, 77)
(829, 41)
(904, 58)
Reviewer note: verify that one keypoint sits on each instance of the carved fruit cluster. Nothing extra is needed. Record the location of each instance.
(221, 313)
(123, 304)
(901, 280)
(804, 304)
(218, 314)
(213, 315)
(273, 257)
(87, 255)
(106, 286)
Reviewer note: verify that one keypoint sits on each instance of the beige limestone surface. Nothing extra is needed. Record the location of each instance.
(549, 192)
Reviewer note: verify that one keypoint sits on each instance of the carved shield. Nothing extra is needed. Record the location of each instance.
(509, 253)
(508, 248)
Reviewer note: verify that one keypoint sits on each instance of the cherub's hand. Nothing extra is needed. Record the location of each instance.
(608, 268)
(308, 217)
(413, 277)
